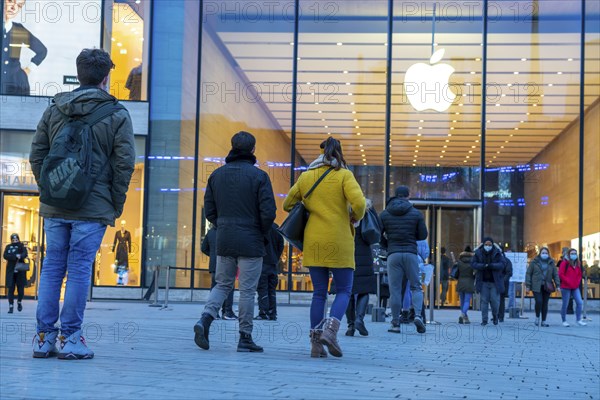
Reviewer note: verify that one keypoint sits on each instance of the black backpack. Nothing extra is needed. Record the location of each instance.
(66, 178)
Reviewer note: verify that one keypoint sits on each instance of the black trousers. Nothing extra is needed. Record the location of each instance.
(18, 281)
(267, 291)
(357, 308)
(228, 303)
(541, 303)
(502, 307)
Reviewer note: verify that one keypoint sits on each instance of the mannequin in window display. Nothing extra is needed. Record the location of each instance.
(122, 248)
(15, 38)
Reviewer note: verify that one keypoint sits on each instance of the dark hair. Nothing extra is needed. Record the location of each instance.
(443, 249)
(468, 249)
(15, 236)
(332, 150)
(243, 140)
(93, 65)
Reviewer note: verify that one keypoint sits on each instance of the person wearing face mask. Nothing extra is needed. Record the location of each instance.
(13, 253)
(541, 273)
(488, 261)
(569, 271)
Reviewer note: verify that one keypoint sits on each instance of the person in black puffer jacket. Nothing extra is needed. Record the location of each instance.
(363, 284)
(239, 201)
(13, 253)
(488, 261)
(403, 226)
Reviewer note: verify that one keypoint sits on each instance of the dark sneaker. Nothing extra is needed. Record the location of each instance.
(484, 323)
(361, 328)
(404, 317)
(44, 345)
(19, 307)
(420, 325)
(495, 321)
(544, 324)
(261, 317)
(394, 328)
(201, 331)
(272, 317)
(74, 348)
(247, 345)
(229, 316)
(350, 332)
(411, 315)
(10, 308)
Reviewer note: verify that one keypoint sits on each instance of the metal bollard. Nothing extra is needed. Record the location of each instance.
(378, 313)
(431, 321)
(156, 274)
(166, 303)
(585, 299)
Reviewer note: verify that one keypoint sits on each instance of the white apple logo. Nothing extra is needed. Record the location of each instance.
(426, 86)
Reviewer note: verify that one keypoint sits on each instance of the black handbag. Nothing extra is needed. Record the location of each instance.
(370, 228)
(292, 229)
(22, 266)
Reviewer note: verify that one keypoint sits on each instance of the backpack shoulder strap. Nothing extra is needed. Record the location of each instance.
(102, 112)
(318, 181)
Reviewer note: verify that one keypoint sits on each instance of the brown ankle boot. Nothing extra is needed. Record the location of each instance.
(329, 336)
(316, 348)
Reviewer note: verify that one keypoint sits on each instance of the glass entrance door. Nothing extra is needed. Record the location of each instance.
(451, 227)
(20, 215)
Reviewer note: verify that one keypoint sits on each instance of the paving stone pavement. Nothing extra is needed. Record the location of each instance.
(144, 352)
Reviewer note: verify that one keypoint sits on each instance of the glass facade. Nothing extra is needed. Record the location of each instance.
(475, 105)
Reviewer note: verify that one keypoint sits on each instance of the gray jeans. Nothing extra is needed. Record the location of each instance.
(400, 265)
(489, 294)
(250, 269)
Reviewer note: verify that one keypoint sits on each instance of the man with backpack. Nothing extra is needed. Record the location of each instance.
(82, 157)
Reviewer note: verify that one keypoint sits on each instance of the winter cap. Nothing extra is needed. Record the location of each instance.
(15, 236)
(488, 238)
(402, 191)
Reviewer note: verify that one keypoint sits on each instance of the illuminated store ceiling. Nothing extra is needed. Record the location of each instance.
(533, 91)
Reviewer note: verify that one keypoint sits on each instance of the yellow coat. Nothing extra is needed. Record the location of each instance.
(329, 234)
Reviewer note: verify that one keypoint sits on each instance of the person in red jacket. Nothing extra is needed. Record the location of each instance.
(569, 272)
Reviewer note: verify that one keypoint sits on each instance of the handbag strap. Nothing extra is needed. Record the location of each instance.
(317, 183)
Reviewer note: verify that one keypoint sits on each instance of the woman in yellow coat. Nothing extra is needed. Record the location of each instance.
(334, 206)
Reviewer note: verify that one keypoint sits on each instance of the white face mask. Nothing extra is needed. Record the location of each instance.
(487, 248)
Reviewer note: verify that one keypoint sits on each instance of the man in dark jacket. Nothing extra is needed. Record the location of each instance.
(508, 272)
(444, 274)
(73, 236)
(403, 226)
(267, 284)
(239, 201)
(209, 247)
(489, 281)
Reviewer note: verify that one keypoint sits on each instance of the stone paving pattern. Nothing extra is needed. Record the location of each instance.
(148, 353)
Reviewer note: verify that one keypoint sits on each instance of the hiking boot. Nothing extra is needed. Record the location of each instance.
(229, 315)
(10, 308)
(395, 328)
(316, 348)
(44, 345)
(329, 336)
(201, 330)
(247, 345)
(74, 347)
(420, 325)
(19, 307)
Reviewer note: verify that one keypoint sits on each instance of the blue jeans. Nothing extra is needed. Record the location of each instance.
(465, 301)
(342, 277)
(489, 295)
(71, 248)
(566, 295)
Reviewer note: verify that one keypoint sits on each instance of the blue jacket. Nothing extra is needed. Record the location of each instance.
(497, 266)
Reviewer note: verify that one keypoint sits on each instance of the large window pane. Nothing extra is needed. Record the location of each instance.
(532, 135)
(246, 81)
(436, 99)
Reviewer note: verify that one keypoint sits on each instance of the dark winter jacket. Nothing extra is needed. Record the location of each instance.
(365, 280)
(209, 247)
(466, 274)
(534, 277)
(508, 272)
(10, 255)
(239, 201)
(446, 263)
(274, 247)
(403, 225)
(113, 141)
(496, 265)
